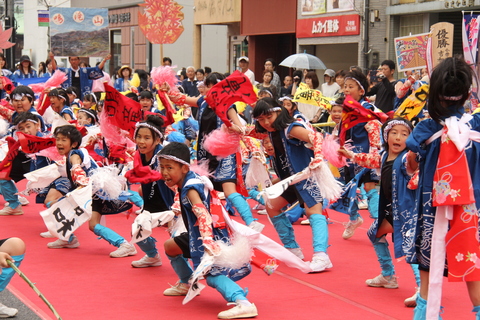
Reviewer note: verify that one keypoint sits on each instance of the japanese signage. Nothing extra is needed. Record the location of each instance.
(329, 26)
(442, 41)
(79, 32)
(411, 52)
(119, 17)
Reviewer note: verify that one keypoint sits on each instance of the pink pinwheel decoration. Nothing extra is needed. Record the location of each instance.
(162, 21)
(4, 36)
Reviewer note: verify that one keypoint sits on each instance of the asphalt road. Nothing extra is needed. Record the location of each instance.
(24, 313)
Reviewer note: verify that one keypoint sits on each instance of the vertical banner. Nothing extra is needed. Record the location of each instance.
(79, 32)
(411, 52)
(43, 18)
(470, 30)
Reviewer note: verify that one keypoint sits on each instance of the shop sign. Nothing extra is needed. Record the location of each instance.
(119, 17)
(344, 25)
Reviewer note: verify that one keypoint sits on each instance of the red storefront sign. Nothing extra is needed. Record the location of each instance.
(345, 25)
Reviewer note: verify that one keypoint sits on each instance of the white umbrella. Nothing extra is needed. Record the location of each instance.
(303, 61)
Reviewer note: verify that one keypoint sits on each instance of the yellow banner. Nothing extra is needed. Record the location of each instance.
(313, 97)
(413, 104)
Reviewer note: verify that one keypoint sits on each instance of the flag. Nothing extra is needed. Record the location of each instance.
(413, 104)
(169, 109)
(34, 144)
(354, 113)
(312, 97)
(236, 87)
(121, 111)
(6, 164)
(43, 18)
(67, 215)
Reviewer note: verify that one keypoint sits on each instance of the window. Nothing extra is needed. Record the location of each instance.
(412, 24)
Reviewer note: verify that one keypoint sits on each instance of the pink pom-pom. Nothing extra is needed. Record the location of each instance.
(111, 133)
(165, 74)
(201, 168)
(50, 153)
(221, 143)
(330, 148)
(54, 81)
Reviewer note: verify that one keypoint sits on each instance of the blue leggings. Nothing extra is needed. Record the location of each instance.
(7, 273)
(229, 290)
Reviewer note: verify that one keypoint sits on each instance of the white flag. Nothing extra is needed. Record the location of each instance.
(67, 215)
(146, 221)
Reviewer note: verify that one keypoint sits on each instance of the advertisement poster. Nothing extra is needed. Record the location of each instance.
(79, 32)
(411, 52)
(340, 5)
(311, 7)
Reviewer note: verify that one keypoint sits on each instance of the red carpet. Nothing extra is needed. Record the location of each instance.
(85, 283)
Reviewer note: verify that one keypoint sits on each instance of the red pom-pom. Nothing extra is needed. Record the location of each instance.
(221, 143)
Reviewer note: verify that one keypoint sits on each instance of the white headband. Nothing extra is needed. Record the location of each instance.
(358, 82)
(285, 98)
(146, 125)
(88, 112)
(28, 120)
(454, 98)
(19, 96)
(391, 124)
(170, 157)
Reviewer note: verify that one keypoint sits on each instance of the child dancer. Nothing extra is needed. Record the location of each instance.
(289, 138)
(157, 196)
(365, 139)
(225, 177)
(87, 117)
(79, 166)
(201, 236)
(12, 249)
(60, 103)
(450, 86)
(395, 207)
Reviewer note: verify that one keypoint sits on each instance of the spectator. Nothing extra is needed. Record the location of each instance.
(270, 66)
(167, 61)
(25, 71)
(124, 77)
(385, 89)
(243, 63)
(329, 87)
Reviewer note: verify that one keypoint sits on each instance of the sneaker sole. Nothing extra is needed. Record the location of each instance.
(124, 256)
(11, 214)
(382, 286)
(327, 267)
(239, 316)
(65, 247)
(146, 266)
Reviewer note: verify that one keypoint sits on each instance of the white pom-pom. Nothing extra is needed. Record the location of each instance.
(4, 125)
(236, 254)
(330, 188)
(106, 182)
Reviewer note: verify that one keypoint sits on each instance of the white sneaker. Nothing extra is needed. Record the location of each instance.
(412, 301)
(7, 211)
(58, 244)
(23, 201)
(381, 281)
(350, 228)
(363, 204)
(262, 212)
(305, 222)
(240, 311)
(257, 226)
(6, 312)
(221, 195)
(179, 289)
(126, 249)
(297, 251)
(146, 261)
(320, 262)
(46, 234)
(259, 206)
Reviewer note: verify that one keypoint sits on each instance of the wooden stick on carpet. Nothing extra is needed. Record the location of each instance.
(32, 285)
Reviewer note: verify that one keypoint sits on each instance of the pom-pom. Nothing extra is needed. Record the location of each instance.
(330, 188)
(111, 133)
(222, 143)
(330, 148)
(201, 168)
(4, 125)
(54, 81)
(107, 183)
(234, 255)
(165, 74)
(257, 174)
(50, 153)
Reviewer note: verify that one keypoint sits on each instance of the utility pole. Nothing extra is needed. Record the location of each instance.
(10, 23)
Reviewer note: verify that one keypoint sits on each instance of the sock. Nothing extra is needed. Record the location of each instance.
(239, 202)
